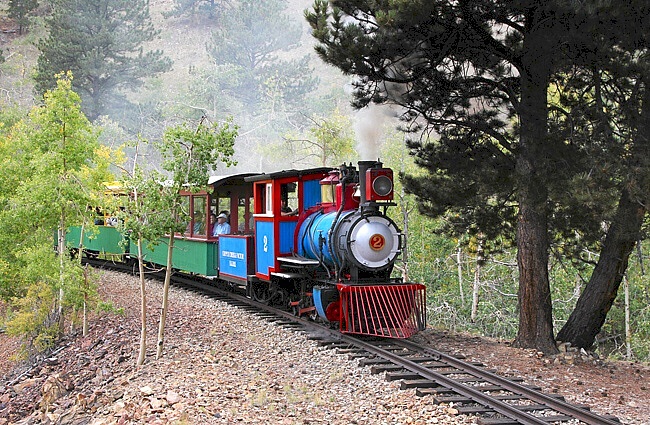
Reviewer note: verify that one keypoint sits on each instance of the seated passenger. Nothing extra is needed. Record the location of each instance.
(285, 209)
(222, 227)
(199, 223)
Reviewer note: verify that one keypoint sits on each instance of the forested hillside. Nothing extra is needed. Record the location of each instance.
(276, 98)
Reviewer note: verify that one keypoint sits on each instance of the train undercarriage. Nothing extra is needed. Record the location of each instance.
(393, 309)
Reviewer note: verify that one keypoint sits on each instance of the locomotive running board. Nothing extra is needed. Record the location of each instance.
(388, 311)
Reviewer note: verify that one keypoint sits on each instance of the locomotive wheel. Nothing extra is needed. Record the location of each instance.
(295, 309)
(302, 303)
(278, 296)
(261, 293)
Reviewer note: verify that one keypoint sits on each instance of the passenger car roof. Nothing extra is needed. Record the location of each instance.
(230, 179)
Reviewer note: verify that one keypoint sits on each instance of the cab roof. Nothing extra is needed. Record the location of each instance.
(287, 173)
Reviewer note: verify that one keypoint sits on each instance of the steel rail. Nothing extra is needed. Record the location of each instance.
(464, 390)
(552, 402)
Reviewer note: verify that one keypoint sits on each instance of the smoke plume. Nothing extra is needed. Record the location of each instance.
(368, 127)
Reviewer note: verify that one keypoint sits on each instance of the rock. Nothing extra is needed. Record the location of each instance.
(563, 346)
(452, 411)
(172, 397)
(100, 354)
(53, 388)
(52, 361)
(156, 403)
(27, 383)
(147, 390)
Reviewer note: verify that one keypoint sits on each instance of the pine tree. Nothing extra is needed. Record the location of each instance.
(614, 115)
(478, 73)
(19, 10)
(101, 42)
(247, 46)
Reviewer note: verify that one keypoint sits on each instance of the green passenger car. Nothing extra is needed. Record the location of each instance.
(97, 240)
(194, 256)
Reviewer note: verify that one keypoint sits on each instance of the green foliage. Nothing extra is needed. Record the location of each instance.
(48, 154)
(35, 319)
(19, 10)
(188, 157)
(8, 117)
(189, 154)
(109, 307)
(101, 42)
(330, 142)
(334, 139)
(9, 275)
(196, 8)
(247, 48)
(55, 170)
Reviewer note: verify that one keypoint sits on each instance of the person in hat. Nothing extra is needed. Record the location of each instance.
(222, 227)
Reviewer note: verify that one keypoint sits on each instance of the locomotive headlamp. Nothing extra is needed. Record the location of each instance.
(382, 186)
(379, 183)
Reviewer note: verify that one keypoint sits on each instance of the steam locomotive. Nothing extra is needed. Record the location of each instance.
(315, 241)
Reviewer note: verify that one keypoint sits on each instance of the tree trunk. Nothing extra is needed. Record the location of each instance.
(460, 273)
(61, 248)
(480, 259)
(592, 307)
(628, 331)
(143, 307)
(534, 295)
(84, 325)
(165, 301)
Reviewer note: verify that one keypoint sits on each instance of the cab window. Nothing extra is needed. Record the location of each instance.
(263, 198)
(289, 199)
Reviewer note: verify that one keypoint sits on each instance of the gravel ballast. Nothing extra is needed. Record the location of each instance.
(219, 366)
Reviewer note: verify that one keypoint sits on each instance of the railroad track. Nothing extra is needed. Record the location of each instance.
(471, 388)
